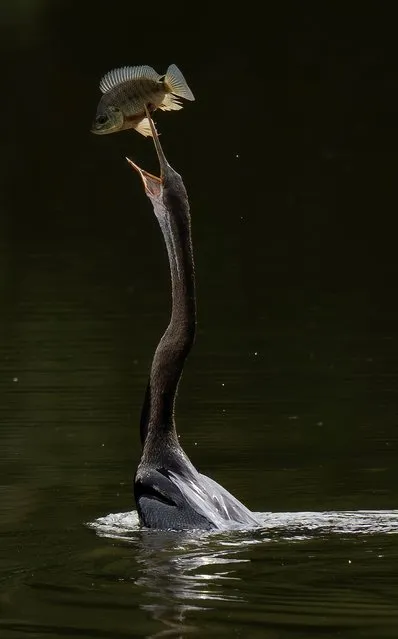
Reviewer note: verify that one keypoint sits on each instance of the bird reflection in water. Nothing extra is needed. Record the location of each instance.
(183, 572)
(178, 574)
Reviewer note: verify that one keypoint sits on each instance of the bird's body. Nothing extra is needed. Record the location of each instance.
(186, 499)
(170, 493)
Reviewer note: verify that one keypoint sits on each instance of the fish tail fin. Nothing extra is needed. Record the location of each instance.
(176, 83)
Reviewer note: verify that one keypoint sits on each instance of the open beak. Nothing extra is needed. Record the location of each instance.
(152, 183)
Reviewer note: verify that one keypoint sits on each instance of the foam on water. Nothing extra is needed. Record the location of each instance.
(299, 525)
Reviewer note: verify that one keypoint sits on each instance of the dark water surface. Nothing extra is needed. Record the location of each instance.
(290, 397)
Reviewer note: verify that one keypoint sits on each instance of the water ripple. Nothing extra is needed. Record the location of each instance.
(296, 526)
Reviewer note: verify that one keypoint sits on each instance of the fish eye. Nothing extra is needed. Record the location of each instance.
(101, 119)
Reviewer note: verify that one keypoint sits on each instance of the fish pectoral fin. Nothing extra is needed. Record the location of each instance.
(170, 103)
(144, 128)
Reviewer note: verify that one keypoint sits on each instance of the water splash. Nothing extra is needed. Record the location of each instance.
(296, 526)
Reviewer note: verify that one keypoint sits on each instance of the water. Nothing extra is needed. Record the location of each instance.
(320, 574)
(289, 398)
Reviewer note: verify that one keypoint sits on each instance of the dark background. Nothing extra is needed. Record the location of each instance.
(289, 156)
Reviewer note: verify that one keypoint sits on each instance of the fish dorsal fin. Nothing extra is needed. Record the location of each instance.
(124, 74)
(144, 127)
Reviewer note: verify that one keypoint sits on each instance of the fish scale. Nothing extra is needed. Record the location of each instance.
(132, 98)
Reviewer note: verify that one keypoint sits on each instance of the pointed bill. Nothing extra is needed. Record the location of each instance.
(161, 156)
(152, 184)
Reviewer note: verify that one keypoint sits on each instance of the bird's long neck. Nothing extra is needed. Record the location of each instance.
(157, 418)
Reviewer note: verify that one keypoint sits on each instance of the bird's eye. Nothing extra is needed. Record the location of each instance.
(101, 119)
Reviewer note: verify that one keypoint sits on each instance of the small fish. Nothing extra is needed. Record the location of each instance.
(129, 89)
